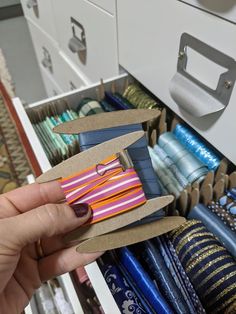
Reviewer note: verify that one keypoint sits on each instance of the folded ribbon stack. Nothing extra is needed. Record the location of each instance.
(210, 267)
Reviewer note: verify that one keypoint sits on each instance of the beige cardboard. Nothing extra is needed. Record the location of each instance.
(188, 188)
(174, 122)
(90, 157)
(209, 179)
(130, 236)
(222, 170)
(120, 221)
(226, 178)
(218, 189)
(195, 195)
(107, 120)
(153, 138)
(162, 121)
(232, 180)
(196, 185)
(172, 208)
(183, 202)
(206, 194)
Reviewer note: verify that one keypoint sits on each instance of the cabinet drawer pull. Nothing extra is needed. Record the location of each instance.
(77, 44)
(191, 94)
(47, 60)
(31, 3)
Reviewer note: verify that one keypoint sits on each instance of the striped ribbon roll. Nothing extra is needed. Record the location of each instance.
(209, 266)
(108, 188)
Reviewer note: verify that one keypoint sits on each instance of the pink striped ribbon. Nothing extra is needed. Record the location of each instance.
(107, 188)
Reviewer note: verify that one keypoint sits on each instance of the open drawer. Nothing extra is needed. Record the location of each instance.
(72, 98)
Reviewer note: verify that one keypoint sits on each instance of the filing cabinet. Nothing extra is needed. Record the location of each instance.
(186, 57)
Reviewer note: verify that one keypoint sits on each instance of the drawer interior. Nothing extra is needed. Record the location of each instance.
(165, 123)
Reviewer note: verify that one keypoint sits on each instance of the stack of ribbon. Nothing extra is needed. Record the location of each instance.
(187, 271)
(180, 159)
(209, 266)
(149, 278)
(225, 208)
(215, 224)
(140, 99)
(58, 147)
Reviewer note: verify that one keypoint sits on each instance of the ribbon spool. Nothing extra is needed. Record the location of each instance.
(192, 143)
(138, 98)
(192, 169)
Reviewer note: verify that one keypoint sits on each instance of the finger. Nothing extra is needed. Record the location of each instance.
(54, 244)
(43, 222)
(64, 261)
(29, 197)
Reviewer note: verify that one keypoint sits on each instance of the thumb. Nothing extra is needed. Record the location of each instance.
(42, 222)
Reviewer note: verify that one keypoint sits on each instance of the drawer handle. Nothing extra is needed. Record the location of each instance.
(77, 44)
(46, 63)
(47, 60)
(31, 4)
(194, 96)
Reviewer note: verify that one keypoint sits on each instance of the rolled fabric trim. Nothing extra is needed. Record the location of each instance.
(212, 270)
(143, 281)
(121, 290)
(166, 177)
(171, 165)
(215, 225)
(186, 162)
(164, 280)
(197, 146)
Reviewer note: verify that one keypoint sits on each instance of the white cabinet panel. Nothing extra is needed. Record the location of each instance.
(87, 35)
(108, 5)
(225, 9)
(150, 51)
(40, 12)
(52, 89)
(53, 61)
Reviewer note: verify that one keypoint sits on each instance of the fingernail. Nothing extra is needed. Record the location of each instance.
(81, 210)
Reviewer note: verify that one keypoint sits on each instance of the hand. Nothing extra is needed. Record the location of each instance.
(26, 215)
